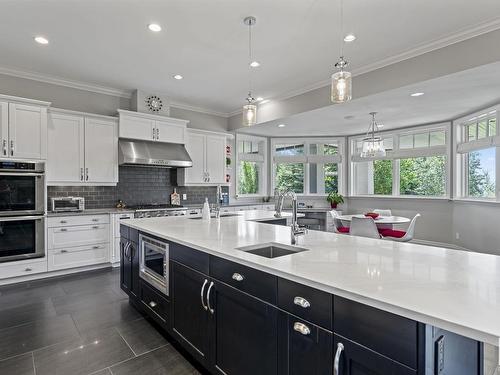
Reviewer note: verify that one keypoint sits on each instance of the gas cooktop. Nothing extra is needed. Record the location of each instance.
(154, 206)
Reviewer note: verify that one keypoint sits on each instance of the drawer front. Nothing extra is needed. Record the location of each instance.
(67, 221)
(154, 302)
(391, 335)
(78, 236)
(22, 268)
(78, 256)
(117, 219)
(310, 304)
(194, 259)
(256, 283)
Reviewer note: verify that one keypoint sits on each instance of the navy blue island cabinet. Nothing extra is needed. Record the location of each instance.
(233, 319)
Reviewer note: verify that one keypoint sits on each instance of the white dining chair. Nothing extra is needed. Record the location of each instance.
(383, 212)
(337, 223)
(364, 227)
(401, 235)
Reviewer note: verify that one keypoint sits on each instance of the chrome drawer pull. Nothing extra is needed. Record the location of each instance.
(95, 220)
(64, 251)
(302, 328)
(340, 348)
(28, 269)
(95, 247)
(302, 302)
(95, 227)
(238, 277)
(152, 304)
(205, 307)
(63, 221)
(64, 230)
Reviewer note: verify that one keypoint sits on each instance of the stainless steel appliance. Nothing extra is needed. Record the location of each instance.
(153, 154)
(22, 237)
(154, 262)
(67, 204)
(157, 210)
(22, 188)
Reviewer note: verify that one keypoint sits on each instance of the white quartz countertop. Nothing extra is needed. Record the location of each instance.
(91, 211)
(455, 290)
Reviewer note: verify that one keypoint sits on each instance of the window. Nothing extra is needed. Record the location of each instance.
(478, 156)
(308, 166)
(251, 165)
(415, 164)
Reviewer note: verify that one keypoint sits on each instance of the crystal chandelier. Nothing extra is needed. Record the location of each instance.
(373, 145)
(341, 89)
(250, 108)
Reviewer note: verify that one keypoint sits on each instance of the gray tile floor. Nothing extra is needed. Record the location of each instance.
(79, 325)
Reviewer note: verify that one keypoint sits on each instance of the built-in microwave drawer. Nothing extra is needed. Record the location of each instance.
(77, 256)
(67, 221)
(83, 235)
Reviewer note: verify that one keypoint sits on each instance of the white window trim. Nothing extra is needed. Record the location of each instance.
(461, 148)
(340, 159)
(396, 155)
(263, 178)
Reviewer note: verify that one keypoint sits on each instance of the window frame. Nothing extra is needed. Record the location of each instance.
(462, 147)
(262, 191)
(397, 154)
(307, 159)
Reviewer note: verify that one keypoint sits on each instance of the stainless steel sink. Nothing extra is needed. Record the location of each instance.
(272, 250)
(213, 216)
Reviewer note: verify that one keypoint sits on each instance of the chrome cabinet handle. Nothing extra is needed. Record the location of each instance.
(64, 251)
(152, 304)
(11, 148)
(238, 277)
(95, 247)
(153, 129)
(95, 227)
(157, 134)
(205, 307)
(302, 302)
(63, 230)
(301, 328)
(28, 269)
(95, 220)
(63, 221)
(208, 297)
(340, 348)
(4, 143)
(86, 174)
(81, 174)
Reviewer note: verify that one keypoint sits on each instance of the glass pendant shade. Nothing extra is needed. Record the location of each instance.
(373, 147)
(341, 91)
(249, 114)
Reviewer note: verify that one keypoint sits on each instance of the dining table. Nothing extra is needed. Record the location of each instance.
(381, 220)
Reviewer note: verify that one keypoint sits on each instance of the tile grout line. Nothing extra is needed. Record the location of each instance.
(123, 338)
(129, 359)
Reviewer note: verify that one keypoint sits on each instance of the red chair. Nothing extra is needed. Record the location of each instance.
(400, 235)
(337, 223)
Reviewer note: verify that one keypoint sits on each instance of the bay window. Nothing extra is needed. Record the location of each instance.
(478, 156)
(307, 167)
(416, 164)
(251, 165)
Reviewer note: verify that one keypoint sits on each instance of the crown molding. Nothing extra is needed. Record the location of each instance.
(35, 76)
(193, 108)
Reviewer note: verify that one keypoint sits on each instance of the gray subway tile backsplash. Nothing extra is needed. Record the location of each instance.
(137, 185)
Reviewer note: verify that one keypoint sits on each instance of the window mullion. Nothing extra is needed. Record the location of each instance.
(395, 177)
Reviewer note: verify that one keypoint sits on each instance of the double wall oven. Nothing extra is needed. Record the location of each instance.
(22, 210)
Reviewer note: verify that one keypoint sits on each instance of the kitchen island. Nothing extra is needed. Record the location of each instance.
(348, 304)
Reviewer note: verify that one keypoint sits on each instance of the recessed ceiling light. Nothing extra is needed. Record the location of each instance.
(349, 38)
(178, 76)
(415, 94)
(255, 64)
(41, 40)
(154, 27)
(265, 101)
(281, 125)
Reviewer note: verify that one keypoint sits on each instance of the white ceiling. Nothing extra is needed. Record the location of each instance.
(297, 41)
(445, 98)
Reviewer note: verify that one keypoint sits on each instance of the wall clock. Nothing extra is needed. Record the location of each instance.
(154, 103)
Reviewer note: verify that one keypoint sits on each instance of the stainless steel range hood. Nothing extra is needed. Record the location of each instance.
(138, 153)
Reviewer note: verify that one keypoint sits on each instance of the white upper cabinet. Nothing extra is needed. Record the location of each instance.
(143, 126)
(207, 151)
(23, 128)
(82, 149)
(101, 150)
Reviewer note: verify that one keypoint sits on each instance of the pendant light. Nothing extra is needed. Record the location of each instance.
(341, 90)
(373, 145)
(250, 108)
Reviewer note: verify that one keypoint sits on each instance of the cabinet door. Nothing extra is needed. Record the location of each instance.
(245, 337)
(196, 148)
(27, 131)
(4, 129)
(125, 266)
(354, 359)
(190, 320)
(171, 133)
(65, 154)
(215, 159)
(101, 151)
(136, 128)
(304, 348)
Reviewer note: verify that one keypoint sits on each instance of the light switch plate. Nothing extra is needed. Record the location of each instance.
(184, 197)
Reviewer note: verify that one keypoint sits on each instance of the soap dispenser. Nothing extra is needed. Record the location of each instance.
(205, 212)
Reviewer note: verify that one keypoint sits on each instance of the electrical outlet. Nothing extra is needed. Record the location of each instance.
(457, 236)
(439, 356)
(184, 197)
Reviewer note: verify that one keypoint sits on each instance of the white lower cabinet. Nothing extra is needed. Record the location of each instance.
(116, 219)
(77, 241)
(23, 268)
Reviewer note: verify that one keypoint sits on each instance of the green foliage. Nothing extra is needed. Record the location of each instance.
(290, 176)
(479, 180)
(335, 197)
(382, 177)
(423, 176)
(248, 178)
(331, 177)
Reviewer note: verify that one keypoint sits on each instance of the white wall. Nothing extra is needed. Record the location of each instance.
(200, 120)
